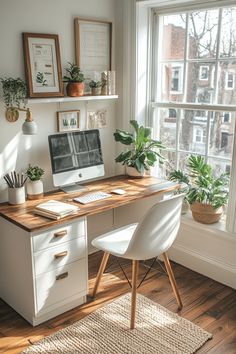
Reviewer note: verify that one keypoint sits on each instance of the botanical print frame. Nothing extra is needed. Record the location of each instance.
(93, 46)
(43, 65)
(97, 119)
(68, 120)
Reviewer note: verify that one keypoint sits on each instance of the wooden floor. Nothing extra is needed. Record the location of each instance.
(206, 303)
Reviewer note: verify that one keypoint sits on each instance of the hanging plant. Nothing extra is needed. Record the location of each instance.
(14, 91)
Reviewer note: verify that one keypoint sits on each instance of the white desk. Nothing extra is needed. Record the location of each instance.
(43, 263)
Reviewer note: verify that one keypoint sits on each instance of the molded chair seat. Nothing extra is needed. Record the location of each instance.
(152, 237)
(116, 242)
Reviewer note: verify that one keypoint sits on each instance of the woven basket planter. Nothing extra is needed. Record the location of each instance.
(205, 213)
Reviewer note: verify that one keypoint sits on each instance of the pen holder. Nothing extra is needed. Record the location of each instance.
(16, 195)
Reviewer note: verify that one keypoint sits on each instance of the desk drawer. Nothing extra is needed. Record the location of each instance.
(60, 234)
(60, 284)
(54, 257)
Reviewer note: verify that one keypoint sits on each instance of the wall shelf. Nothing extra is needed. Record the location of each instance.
(70, 99)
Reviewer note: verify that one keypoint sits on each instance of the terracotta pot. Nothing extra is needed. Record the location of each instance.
(205, 213)
(34, 189)
(75, 89)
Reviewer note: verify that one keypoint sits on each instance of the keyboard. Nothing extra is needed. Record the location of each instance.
(92, 197)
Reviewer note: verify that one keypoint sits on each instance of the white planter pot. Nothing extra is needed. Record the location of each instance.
(132, 172)
(34, 189)
(16, 195)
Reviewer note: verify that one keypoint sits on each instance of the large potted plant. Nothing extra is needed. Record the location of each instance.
(34, 184)
(205, 193)
(75, 81)
(143, 151)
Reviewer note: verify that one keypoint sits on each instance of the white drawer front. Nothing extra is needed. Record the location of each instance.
(55, 286)
(54, 257)
(58, 235)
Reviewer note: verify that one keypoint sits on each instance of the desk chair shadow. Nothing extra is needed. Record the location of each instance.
(152, 237)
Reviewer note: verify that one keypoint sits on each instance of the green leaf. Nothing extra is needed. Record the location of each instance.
(123, 137)
(123, 156)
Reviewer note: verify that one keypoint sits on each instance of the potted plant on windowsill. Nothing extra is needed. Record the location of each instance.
(143, 152)
(95, 87)
(75, 81)
(205, 193)
(34, 184)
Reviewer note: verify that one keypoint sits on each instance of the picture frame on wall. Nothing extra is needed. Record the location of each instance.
(68, 120)
(42, 65)
(93, 46)
(97, 119)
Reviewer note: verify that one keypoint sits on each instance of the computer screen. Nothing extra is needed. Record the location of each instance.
(75, 157)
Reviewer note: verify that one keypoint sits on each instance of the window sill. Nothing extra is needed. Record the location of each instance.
(219, 228)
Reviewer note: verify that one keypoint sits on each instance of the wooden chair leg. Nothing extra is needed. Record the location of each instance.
(100, 272)
(172, 280)
(135, 265)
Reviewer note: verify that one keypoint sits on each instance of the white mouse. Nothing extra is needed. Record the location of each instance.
(118, 191)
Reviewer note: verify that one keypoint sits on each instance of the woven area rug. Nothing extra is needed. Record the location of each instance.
(106, 331)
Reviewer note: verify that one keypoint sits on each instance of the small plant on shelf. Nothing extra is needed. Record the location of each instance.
(205, 193)
(75, 80)
(144, 151)
(34, 185)
(95, 87)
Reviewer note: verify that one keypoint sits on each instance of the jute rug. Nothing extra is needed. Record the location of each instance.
(106, 331)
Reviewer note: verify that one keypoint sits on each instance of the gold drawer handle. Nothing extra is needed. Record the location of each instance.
(60, 233)
(62, 276)
(61, 254)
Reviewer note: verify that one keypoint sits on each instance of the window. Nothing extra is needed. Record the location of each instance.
(199, 135)
(195, 70)
(204, 73)
(176, 80)
(226, 117)
(229, 81)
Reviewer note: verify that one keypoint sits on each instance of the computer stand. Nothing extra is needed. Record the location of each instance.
(73, 188)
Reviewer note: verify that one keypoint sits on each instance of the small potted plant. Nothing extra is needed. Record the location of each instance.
(75, 81)
(205, 193)
(143, 151)
(95, 87)
(14, 95)
(34, 184)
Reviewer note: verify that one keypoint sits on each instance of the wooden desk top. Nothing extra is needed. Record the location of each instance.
(139, 188)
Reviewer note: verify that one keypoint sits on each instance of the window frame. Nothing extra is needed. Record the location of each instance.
(154, 103)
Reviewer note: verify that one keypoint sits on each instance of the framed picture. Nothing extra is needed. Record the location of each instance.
(42, 65)
(68, 121)
(93, 46)
(97, 119)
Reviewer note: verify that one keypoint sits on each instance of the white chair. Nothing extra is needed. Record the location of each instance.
(152, 237)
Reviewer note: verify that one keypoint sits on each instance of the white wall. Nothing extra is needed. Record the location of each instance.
(56, 17)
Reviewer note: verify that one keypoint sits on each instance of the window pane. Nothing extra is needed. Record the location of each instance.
(174, 33)
(172, 82)
(200, 86)
(168, 120)
(228, 33)
(221, 134)
(202, 35)
(169, 164)
(219, 166)
(227, 87)
(193, 130)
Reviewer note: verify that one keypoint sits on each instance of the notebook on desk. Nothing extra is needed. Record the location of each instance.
(55, 210)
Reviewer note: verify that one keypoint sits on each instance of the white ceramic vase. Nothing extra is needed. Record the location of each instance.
(34, 189)
(16, 195)
(132, 172)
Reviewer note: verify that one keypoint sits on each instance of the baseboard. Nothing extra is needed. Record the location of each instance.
(208, 266)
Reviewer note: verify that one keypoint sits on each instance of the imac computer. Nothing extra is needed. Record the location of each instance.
(75, 157)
